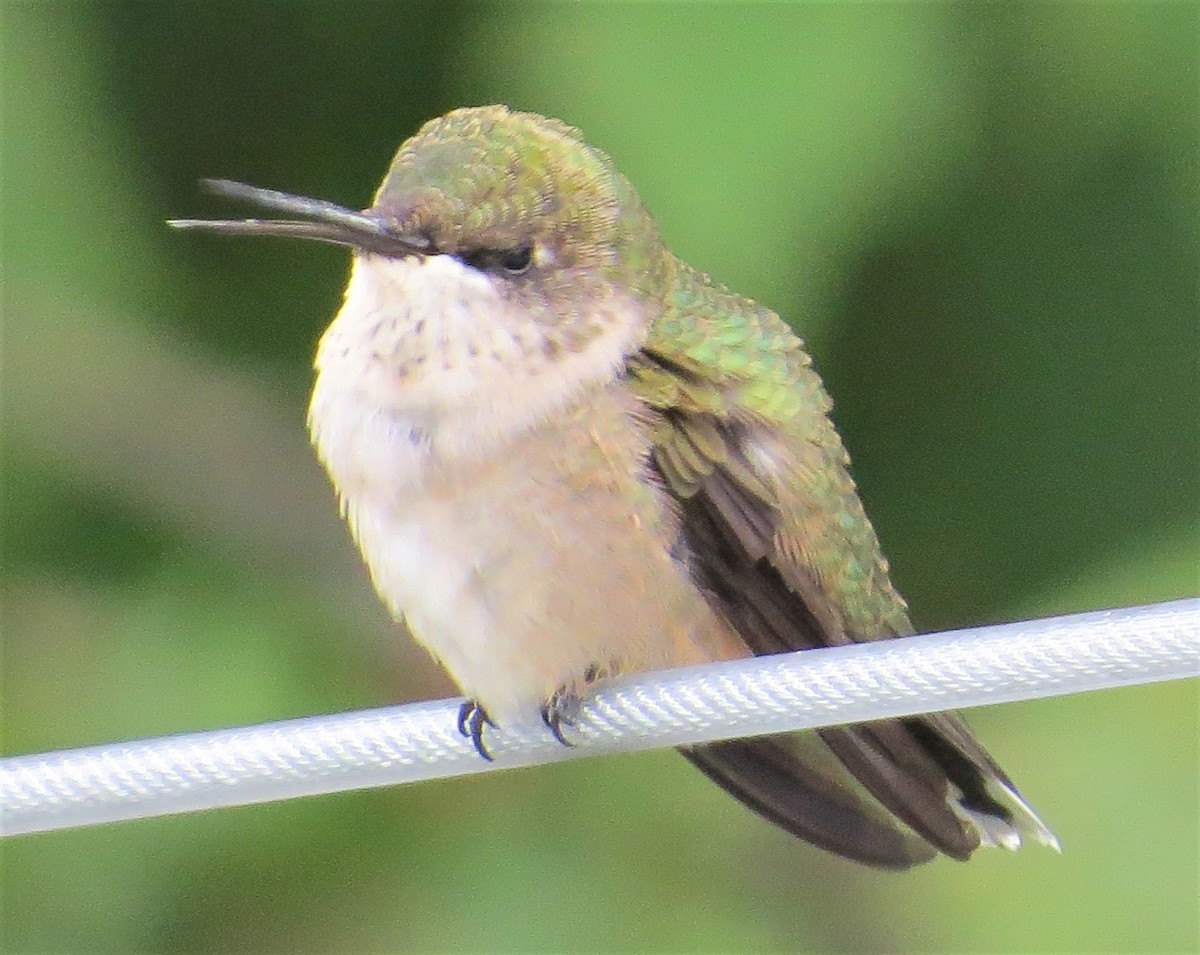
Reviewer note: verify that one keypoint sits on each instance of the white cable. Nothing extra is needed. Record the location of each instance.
(743, 698)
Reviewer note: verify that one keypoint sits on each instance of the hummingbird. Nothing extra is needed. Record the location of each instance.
(566, 455)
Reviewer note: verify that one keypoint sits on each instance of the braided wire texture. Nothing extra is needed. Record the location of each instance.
(761, 695)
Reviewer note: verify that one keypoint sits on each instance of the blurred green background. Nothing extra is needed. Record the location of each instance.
(982, 217)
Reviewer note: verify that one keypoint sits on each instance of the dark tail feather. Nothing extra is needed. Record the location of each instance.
(777, 780)
(891, 793)
(894, 769)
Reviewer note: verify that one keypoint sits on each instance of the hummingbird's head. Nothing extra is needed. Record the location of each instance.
(500, 249)
(518, 195)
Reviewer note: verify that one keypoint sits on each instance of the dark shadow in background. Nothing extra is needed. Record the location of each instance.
(1006, 375)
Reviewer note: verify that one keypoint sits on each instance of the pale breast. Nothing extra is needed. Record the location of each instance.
(523, 570)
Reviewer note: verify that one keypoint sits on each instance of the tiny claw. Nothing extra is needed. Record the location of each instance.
(464, 716)
(554, 721)
(471, 719)
(562, 709)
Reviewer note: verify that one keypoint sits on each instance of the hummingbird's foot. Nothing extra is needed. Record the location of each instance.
(562, 709)
(471, 719)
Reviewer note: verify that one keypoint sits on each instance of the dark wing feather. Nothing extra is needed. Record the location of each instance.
(727, 546)
(797, 567)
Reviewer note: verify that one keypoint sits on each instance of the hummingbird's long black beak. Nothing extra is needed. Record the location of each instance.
(322, 222)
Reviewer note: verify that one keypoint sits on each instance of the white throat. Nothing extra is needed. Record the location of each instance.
(430, 359)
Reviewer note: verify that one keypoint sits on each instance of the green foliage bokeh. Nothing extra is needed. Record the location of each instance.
(982, 217)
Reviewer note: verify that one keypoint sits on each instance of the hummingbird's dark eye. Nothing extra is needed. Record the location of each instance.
(514, 261)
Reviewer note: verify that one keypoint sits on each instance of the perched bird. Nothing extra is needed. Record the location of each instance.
(566, 455)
